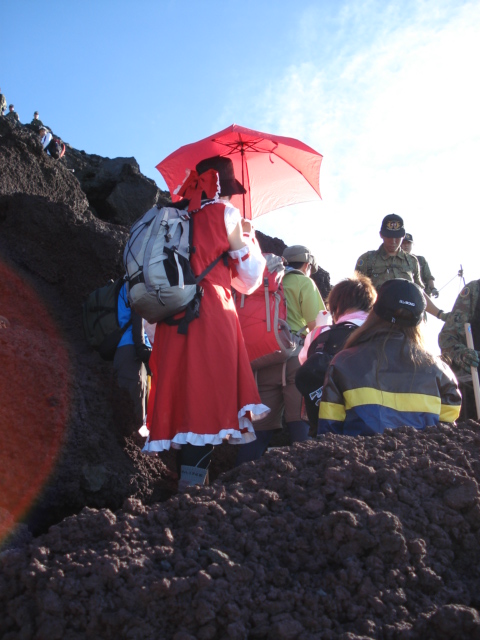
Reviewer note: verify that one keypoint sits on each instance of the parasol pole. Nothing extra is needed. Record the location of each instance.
(242, 152)
(476, 384)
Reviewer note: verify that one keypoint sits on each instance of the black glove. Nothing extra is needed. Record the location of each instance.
(143, 352)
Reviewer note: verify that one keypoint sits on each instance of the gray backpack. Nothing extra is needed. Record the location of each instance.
(160, 280)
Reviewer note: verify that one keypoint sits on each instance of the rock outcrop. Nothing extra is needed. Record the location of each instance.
(56, 251)
(336, 538)
(59, 240)
(116, 190)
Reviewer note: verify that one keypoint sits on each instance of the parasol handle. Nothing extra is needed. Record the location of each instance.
(476, 384)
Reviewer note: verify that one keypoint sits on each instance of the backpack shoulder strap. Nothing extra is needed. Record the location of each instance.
(338, 336)
(192, 250)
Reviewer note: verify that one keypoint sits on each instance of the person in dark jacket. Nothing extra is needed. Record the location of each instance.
(130, 363)
(349, 303)
(384, 377)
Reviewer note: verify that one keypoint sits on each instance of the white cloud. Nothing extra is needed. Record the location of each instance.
(396, 114)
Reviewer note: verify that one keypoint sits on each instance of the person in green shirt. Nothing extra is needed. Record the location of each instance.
(303, 298)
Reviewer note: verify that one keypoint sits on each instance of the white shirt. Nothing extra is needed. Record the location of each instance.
(46, 139)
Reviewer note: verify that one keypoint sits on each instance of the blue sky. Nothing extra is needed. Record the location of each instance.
(386, 91)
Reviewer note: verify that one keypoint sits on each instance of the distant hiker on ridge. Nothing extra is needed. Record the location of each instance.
(45, 135)
(12, 115)
(53, 146)
(3, 103)
(36, 123)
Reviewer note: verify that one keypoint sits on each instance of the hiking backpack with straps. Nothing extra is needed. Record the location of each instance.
(160, 280)
(100, 319)
(310, 376)
(55, 148)
(263, 319)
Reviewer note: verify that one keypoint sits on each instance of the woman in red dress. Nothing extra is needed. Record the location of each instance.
(203, 390)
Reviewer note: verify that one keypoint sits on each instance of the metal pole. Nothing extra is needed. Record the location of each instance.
(243, 177)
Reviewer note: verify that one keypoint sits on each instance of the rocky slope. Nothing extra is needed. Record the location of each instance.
(340, 538)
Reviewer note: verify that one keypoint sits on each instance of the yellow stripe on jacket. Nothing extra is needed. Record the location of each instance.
(414, 402)
(417, 402)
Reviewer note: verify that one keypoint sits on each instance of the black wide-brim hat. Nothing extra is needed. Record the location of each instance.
(229, 185)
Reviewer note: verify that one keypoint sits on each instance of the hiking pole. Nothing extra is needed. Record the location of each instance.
(459, 275)
(476, 384)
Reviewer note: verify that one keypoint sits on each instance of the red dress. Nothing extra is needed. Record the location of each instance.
(203, 389)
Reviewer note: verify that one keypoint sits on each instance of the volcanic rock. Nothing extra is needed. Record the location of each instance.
(347, 538)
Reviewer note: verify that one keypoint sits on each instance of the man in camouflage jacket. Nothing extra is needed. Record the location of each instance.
(452, 340)
(425, 273)
(390, 262)
(12, 115)
(36, 123)
(3, 103)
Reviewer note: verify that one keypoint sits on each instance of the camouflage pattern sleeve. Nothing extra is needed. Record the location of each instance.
(425, 272)
(416, 273)
(426, 275)
(361, 265)
(452, 340)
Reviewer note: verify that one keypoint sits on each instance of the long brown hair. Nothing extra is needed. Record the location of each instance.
(375, 328)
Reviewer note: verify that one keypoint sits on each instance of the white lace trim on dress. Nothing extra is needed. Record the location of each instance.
(244, 434)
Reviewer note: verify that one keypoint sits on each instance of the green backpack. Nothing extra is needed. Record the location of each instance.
(100, 319)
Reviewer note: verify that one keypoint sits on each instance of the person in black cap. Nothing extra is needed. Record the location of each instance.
(203, 389)
(385, 378)
(425, 273)
(389, 261)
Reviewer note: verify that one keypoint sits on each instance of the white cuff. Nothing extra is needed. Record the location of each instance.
(248, 266)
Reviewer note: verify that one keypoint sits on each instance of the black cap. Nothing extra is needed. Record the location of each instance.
(398, 294)
(229, 185)
(408, 238)
(392, 226)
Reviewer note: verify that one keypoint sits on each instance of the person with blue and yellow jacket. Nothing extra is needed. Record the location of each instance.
(384, 377)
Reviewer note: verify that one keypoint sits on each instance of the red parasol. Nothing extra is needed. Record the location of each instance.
(276, 171)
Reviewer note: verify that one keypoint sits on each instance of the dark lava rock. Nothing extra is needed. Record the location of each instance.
(55, 250)
(344, 537)
(116, 190)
